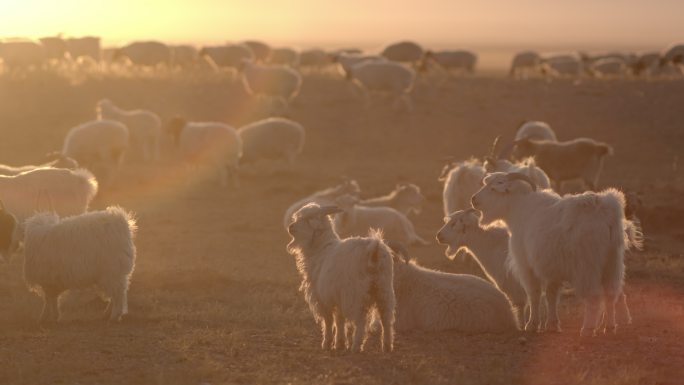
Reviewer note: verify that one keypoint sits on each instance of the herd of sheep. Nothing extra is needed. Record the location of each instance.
(506, 210)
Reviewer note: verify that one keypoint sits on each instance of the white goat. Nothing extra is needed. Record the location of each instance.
(208, 144)
(579, 239)
(325, 197)
(343, 280)
(91, 249)
(58, 160)
(273, 138)
(386, 77)
(99, 146)
(461, 181)
(580, 158)
(278, 83)
(144, 127)
(356, 220)
(405, 198)
(524, 63)
(430, 300)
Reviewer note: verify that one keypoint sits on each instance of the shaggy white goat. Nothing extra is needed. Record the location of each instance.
(99, 146)
(144, 127)
(386, 77)
(356, 220)
(461, 181)
(577, 238)
(58, 160)
(489, 248)
(91, 249)
(325, 197)
(430, 300)
(273, 138)
(278, 83)
(524, 63)
(343, 280)
(208, 144)
(405, 198)
(580, 158)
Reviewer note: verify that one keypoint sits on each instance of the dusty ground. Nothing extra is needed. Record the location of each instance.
(214, 295)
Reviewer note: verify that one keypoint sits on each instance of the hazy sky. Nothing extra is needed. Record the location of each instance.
(603, 23)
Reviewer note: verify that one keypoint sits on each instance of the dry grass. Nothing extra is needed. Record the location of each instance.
(214, 296)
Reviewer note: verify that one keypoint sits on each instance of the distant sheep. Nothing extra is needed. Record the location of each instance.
(99, 146)
(430, 300)
(59, 161)
(260, 50)
(145, 54)
(524, 63)
(459, 60)
(343, 280)
(563, 66)
(284, 57)
(84, 47)
(273, 138)
(356, 220)
(404, 52)
(54, 48)
(278, 83)
(325, 197)
(347, 61)
(608, 67)
(578, 239)
(386, 77)
(22, 55)
(228, 56)
(405, 198)
(77, 252)
(674, 54)
(580, 158)
(314, 59)
(144, 127)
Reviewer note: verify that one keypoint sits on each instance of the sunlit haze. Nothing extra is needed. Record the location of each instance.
(487, 23)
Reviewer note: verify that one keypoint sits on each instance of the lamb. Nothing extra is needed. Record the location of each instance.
(278, 83)
(325, 197)
(357, 220)
(99, 146)
(58, 160)
(384, 76)
(430, 300)
(489, 248)
(284, 57)
(406, 198)
(404, 52)
(208, 144)
(525, 62)
(575, 238)
(453, 60)
(230, 56)
(673, 53)
(77, 252)
(273, 138)
(144, 127)
(343, 280)
(260, 50)
(145, 54)
(580, 158)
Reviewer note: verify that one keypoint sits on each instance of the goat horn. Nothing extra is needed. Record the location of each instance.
(492, 150)
(518, 176)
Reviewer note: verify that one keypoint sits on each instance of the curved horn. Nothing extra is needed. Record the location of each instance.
(492, 150)
(518, 176)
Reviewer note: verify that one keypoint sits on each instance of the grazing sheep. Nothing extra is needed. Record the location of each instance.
(489, 248)
(84, 47)
(608, 67)
(406, 198)
(145, 54)
(459, 60)
(99, 146)
(385, 77)
(77, 252)
(673, 53)
(356, 220)
(430, 300)
(524, 63)
(325, 197)
(208, 144)
(260, 50)
(563, 66)
(144, 127)
(576, 238)
(348, 60)
(644, 63)
(343, 280)
(272, 138)
(535, 130)
(58, 160)
(404, 52)
(228, 56)
(278, 83)
(284, 57)
(580, 158)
